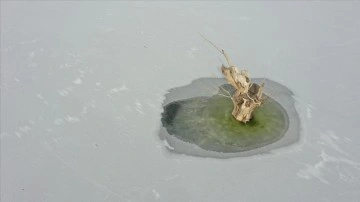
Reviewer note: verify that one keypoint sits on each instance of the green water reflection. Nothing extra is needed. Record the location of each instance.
(208, 123)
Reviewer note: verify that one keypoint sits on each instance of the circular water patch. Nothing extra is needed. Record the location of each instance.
(208, 123)
(200, 123)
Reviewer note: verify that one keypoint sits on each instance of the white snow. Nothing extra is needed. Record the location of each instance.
(82, 94)
(191, 53)
(58, 121)
(71, 119)
(77, 81)
(156, 194)
(117, 90)
(166, 144)
(309, 111)
(32, 54)
(139, 107)
(40, 96)
(63, 92)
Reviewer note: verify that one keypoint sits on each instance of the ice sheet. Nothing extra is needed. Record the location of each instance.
(82, 85)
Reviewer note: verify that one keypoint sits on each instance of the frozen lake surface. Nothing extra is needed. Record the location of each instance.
(82, 87)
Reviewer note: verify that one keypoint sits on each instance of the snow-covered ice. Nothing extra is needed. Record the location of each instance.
(83, 82)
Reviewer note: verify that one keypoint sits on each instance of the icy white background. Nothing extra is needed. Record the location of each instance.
(82, 85)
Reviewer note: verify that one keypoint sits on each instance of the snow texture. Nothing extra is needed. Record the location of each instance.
(82, 84)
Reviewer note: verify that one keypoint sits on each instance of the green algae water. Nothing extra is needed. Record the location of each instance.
(199, 123)
(208, 123)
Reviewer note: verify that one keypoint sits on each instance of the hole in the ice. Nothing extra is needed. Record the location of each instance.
(199, 122)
